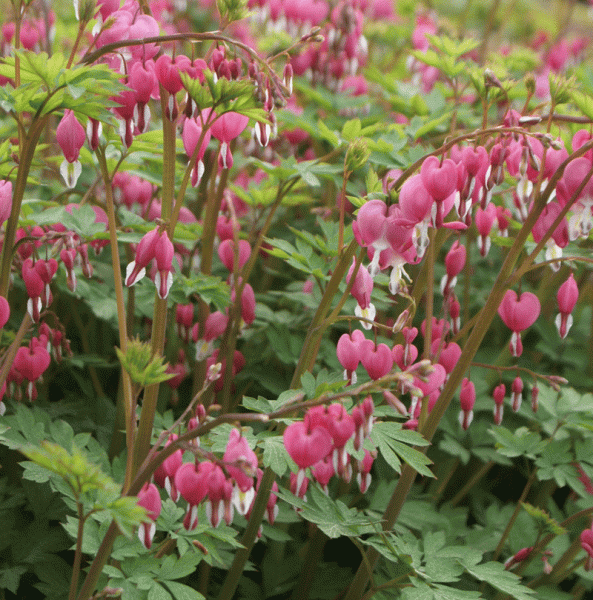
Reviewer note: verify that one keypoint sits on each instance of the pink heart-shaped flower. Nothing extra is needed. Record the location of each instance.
(519, 313)
(307, 447)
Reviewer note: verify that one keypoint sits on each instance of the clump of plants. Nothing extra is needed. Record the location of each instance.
(276, 275)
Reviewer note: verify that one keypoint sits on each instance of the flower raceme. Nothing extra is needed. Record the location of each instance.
(319, 441)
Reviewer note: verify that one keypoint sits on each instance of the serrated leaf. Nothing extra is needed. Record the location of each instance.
(156, 591)
(181, 591)
(275, 455)
(175, 568)
(385, 435)
(495, 574)
(518, 443)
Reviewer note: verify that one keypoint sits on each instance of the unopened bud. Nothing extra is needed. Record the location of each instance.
(491, 80)
(357, 155)
(84, 10)
(200, 547)
(530, 120)
(214, 372)
(530, 83)
(522, 555)
(545, 558)
(401, 321)
(395, 403)
(534, 398)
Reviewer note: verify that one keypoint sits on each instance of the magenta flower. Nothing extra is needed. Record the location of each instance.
(587, 545)
(518, 314)
(226, 128)
(498, 395)
(362, 290)
(150, 499)
(377, 360)
(4, 311)
(191, 483)
(467, 399)
(70, 136)
(5, 200)
(306, 445)
(516, 393)
(567, 297)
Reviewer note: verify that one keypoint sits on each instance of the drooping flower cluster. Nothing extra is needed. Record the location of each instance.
(319, 443)
(223, 485)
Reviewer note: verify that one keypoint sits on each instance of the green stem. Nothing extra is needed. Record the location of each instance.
(518, 507)
(159, 322)
(90, 582)
(249, 537)
(27, 154)
(315, 331)
(77, 553)
(471, 482)
(313, 557)
(128, 397)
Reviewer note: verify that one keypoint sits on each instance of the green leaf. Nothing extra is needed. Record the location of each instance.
(211, 289)
(351, 130)
(183, 592)
(11, 576)
(275, 455)
(521, 442)
(385, 436)
(176, 568)
(157, 592)
(495, 574)
(333, 517)
(143, 368)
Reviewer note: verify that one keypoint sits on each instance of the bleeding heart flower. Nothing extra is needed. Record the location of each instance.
(518, 314)
(305, 445)
(150, 499)
(567, 297)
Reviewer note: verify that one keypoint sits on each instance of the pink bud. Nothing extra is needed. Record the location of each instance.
(150, 499)
(5, 200)
(226, 253)
(534, 398)
(568, 294)
(467, 399)
(4, 311)
(163, 253)
(145, 252)
(455, 259)
(516, 396)
(587, 545)
(518, 558)
(70, 136)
